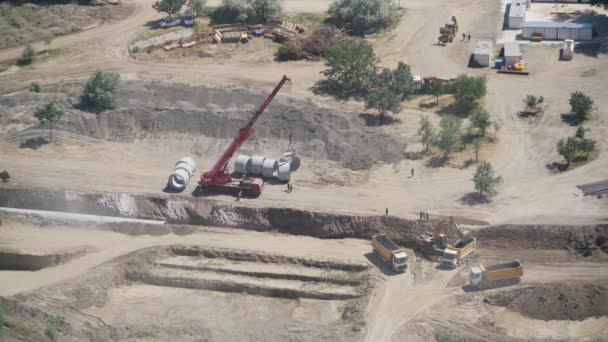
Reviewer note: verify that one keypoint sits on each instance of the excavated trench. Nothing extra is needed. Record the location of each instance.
(33, 262)
(555, 301)
(182, 212)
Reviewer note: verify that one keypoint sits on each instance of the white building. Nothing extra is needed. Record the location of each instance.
(557, 30)
(511, 53)
(517, 14)
(483, 52)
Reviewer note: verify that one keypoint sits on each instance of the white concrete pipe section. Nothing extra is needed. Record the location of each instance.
(269, 167)
(242, 164)
(257, 165)
(284, 171)
(290, 157)
(183, 171)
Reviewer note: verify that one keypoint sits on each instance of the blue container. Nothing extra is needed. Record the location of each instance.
(498, 63)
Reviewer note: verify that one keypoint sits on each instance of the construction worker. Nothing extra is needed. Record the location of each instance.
(464, 36)
(426, 215)
(386, 212)
(4, 176)
(421, 214)
(468, 38)
(238, 195)
(412, 172)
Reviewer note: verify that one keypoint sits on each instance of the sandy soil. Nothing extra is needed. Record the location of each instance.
(418, 305)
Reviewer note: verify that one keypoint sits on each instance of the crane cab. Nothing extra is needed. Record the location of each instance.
(252, 186)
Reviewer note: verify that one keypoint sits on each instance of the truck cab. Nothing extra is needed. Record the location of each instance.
(188, 18)
(400, 261)
(450, 258)
(476, 276)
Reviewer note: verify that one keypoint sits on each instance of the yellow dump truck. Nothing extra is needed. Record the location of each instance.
(461, 251)
(392, 254)
(494, 275)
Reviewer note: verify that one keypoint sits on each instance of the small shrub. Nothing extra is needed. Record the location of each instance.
(287, 52)
(51, 329)
(2, 321)
(135, 49)
(35, 87)
(581, 105)
(27, 56)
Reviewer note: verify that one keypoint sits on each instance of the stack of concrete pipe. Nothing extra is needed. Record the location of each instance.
(267, 167)
(183, 171)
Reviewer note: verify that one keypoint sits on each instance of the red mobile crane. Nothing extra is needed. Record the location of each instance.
(218, 177)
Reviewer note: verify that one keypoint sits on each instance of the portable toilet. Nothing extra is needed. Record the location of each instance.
(483, 52)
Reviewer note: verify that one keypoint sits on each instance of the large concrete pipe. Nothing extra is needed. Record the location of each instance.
(269, 167)
(290, 157)
(284, 171)
(183, 171)
(242, 164)
(257, 164)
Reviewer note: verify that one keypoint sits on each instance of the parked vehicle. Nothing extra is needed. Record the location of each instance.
(494, 275)
(169, 22)
(461, 251)
(188, 18)
(392, 254)
(567, 52)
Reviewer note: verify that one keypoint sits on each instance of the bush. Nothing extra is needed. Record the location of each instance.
(351, 68)
(571, 147)
(27, 56)
(467, 90)
(287, 52)
(51, 329)
(98, 93)
(262, 10)
(383, 100)
(581, 106)
(230, 11)
(171, 7)
(135, 49)
(363, 16)
(35, 87)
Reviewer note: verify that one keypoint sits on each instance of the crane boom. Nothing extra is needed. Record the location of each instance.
(218, 174)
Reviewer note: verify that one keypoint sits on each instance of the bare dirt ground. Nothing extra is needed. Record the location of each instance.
(132, 149)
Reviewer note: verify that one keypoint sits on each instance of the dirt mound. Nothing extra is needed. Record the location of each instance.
(555, 301)
(28, 22)
(208, 118)
(582, 240)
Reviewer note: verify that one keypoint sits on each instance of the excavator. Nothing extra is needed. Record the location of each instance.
(433, 245)
(218, 178)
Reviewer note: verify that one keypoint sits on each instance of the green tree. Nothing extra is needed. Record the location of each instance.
(27, 56)
(469, 89)
(50, 114)
(581, 105)
(98, 93)
(35, 87)
(603, 3)
(351, 68)
(287, 52)
(450, 138)
(402, 82)
(587, 146)
(171, 7)
(383, 100)
(485, 179)
(262, 10)
(568, 149)
(363, 16)
(477, 142)
(198, 7)
(427, 133)
(480, 119)
(436, 88)
(580, 132)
